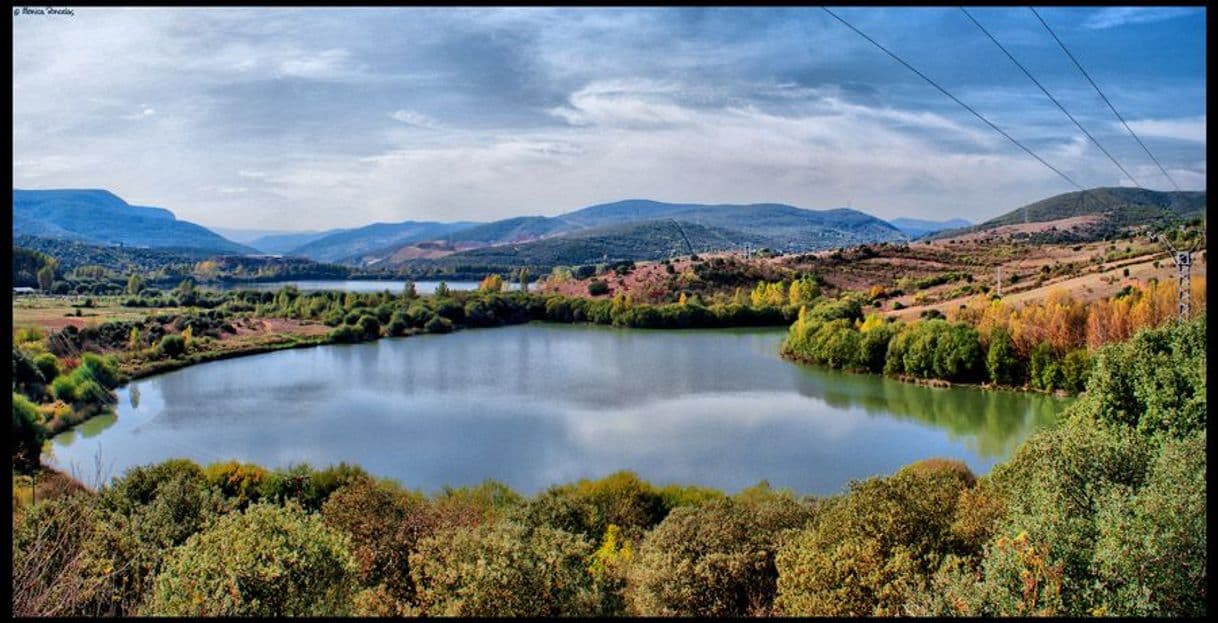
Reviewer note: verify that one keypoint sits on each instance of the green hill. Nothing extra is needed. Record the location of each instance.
(1115, 208)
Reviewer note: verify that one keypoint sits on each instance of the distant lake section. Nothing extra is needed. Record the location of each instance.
(361, 285)
(537, 405)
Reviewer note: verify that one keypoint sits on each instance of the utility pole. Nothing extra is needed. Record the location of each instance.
(1184, 264)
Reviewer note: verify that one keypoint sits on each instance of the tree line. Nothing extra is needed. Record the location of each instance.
(1046, 345)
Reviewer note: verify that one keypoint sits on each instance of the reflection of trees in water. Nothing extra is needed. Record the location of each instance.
(992, 423)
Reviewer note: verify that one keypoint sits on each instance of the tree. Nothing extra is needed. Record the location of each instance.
(409, 292)
(265, 561)
(491, 283)
(46, 277)
(524, 280)
(442, 289)
(28, 434)
(1001, 362)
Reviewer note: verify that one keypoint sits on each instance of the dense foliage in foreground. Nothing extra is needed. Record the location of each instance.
(1102, 514)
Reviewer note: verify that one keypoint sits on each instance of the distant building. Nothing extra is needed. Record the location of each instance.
(23, 290)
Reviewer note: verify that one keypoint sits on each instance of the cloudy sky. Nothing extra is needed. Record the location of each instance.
(318, 118)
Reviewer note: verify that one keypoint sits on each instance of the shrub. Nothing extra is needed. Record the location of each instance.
(502, 569)
(48, 366)
(265, 561)
(438, 324)
(172, 345)
(1155, 382)
(596, 287)
(1053, 487)
(1150, 554)
(874, 549)
(716, 559)
(50, 575)
(27, 434)
(64, 388)
(378, 518)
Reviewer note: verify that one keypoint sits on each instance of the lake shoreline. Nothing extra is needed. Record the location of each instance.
(552, 401)
(300, 340)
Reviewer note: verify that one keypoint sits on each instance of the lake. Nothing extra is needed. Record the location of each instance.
(536, 405)
(361, 285)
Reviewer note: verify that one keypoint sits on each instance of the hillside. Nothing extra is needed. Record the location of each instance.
(352, 245)
(100, 217)
(647, 240)
(916, 227)
(1095, 213)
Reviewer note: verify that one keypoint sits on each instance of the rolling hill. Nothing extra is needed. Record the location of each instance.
(1095, 213)
(100, 217)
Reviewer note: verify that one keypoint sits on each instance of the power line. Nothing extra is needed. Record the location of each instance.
(954, 98)
(1050, 96)
(1104, 97)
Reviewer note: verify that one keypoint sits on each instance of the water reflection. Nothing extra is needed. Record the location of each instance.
(359, 285)
(540, 404)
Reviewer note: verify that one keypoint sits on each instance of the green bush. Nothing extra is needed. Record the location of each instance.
(503, 569)
(384, 524)
(265, 561)
(596, 287)
(715, 559)
(172, 345)
(27, 434)
(438, 324)
(48, 366)
(1155, 382)
(64, 388)
(873, 550)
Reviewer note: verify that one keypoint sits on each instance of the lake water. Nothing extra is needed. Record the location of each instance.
(361, 285)
(536, 405)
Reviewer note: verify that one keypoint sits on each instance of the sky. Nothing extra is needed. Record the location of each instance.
(308, 119)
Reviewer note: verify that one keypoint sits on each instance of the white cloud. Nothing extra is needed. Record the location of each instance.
(1184, 129)
(144, 113)
(1120, 16)
(417, 119)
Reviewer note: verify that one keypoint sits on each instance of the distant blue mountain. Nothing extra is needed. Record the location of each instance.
(723, 226)
(350, 245)
(100, 217)
(284, 243)
(915, 227)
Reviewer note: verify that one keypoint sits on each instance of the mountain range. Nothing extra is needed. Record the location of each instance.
(634, 229)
